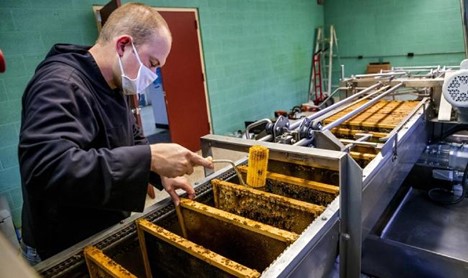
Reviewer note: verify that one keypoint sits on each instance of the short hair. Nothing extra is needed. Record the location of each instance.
(134, 19)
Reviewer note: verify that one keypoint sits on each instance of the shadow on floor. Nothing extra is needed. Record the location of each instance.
(160, 137)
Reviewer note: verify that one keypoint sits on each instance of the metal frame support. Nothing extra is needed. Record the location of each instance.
(350, 219)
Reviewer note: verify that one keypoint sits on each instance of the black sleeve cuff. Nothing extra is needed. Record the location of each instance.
(155, 180)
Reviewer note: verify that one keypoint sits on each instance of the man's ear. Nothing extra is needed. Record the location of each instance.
(121, 43)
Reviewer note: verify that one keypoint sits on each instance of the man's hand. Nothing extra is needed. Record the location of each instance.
(172, 184)
(172, 160)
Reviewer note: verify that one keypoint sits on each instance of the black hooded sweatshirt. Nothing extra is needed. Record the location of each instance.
(84, 163)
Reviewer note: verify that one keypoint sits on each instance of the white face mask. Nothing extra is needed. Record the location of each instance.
(143, 79)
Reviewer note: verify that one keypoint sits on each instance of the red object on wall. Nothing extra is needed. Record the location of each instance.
(2, 62)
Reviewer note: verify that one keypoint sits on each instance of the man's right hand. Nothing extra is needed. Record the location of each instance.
(173, 160)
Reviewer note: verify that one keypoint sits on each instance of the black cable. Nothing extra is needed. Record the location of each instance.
(437, 194)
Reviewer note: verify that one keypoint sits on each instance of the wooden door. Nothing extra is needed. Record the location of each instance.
(183, 80)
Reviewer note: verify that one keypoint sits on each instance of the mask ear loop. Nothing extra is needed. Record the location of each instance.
(136, 54)
(141, 64)
(121, 66)
(120, 60)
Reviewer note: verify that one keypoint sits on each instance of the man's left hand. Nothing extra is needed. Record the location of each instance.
(172, 184)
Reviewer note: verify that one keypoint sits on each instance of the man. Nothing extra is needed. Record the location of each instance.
(84, 163)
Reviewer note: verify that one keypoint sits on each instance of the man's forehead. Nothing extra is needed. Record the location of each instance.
(160, 38)
(159, 47)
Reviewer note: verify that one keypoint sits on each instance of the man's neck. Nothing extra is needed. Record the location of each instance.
(104, 59)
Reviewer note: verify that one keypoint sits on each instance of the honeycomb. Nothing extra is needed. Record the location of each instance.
(233, 230)
(378, 120)
(272, 209)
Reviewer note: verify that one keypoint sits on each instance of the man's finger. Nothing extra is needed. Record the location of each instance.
(187, 187)
(191, 196)
(189, 190)
(174, 196)
(200, 160)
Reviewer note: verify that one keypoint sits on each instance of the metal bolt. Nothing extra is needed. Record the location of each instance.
(324, 218)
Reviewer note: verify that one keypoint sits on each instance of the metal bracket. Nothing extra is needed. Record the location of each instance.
(395, 148)
(280, 126)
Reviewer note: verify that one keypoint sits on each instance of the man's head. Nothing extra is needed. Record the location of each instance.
(136, 24)
(136, 20)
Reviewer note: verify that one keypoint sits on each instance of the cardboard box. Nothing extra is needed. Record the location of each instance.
(377, 67)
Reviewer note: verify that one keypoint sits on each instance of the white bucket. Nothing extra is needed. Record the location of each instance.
(6, 223)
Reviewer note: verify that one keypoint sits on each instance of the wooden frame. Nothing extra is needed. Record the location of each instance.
(212, 259)
(99, 265)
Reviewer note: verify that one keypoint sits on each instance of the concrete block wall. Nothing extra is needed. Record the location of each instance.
(387, 30)
(258, 57)
(257, 60)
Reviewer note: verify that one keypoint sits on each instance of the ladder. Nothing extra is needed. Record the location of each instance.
(317, 78)
(321, 84)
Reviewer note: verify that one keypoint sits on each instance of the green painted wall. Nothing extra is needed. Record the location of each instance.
(386, 30)
(258, 56)
(257, 59)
